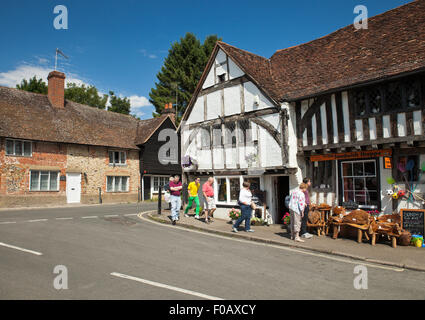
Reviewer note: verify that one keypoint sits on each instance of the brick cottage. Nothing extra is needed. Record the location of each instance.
(55, 151)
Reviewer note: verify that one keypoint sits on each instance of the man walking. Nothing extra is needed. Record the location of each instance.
(193, 188)
(208, 192)
(176, 201)
(303, 231)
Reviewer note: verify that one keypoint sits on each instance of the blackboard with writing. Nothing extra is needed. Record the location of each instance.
(413, 220)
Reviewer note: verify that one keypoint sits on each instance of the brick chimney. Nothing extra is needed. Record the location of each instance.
(56, 89)
(168, 109)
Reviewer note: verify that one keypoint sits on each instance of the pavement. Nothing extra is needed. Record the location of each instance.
(407, 257)
(113, 252)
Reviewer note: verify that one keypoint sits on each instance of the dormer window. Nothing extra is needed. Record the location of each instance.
(221, 78)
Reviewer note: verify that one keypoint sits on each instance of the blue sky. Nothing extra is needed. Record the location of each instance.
(121, 45)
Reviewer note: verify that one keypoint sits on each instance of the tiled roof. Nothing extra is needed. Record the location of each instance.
(26, 115)
(394, 43)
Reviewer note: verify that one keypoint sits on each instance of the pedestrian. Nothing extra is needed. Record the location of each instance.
(193, 188)
(303, 231)
(208, 192)
(245, 201)
(296, 209)
(176, 201)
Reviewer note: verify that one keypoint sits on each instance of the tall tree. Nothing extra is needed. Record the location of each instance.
(87, 95)
(181, 72)
(33, 85)
(119, 105)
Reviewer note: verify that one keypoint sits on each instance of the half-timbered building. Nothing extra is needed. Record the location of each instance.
(347, 110)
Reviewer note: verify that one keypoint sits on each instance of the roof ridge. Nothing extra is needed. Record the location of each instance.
(221, 42)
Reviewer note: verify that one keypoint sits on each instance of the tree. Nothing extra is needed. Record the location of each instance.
(33, 85)
(87, 95)
(119, 105)
(181, 72)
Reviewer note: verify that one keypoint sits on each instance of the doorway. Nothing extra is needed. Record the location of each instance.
(282, 190)
(147, 187)
(73, 187)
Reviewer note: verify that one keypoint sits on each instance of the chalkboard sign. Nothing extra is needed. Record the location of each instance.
(413, 220)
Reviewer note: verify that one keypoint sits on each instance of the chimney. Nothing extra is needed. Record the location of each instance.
(56, 89)
(169, 110)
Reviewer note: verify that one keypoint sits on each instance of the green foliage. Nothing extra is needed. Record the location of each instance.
(119, 105)
(33, 85)
(83, 94)
(181, 71)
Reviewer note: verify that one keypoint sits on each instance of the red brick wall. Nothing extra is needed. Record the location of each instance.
(56, 88)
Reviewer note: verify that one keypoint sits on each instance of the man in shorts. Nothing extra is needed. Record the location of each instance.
(208, 192)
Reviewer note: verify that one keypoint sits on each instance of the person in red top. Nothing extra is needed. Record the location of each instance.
(208, 192)
(175, 190)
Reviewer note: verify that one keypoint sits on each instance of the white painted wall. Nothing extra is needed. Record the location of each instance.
(232, 100)
(234, 70)
(346, 115)
(213, 105)
(209, 80)
(250, 91)
(197, 114)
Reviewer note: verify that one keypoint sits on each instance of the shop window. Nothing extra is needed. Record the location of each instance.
(117, 184)
(360, 183)
(44, 181)
(222, 189)
(408, 169)
(235, 187)
(322, 175)
(18, 148)
(117, 158)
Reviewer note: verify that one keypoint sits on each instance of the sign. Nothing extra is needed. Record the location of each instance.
(352, 155)
(62, 178)
(413, 220)
(387, 163)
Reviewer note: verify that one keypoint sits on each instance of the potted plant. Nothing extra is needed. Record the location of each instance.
(234, 214)
(286, 220)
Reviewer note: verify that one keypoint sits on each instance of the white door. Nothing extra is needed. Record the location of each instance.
(73, 187)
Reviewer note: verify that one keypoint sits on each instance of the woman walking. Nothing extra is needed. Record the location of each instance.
(296, 208)
(245, 199)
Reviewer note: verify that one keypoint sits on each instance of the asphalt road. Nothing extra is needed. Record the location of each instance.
(109, 253)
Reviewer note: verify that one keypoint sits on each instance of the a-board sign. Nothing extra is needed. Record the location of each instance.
(413, 220)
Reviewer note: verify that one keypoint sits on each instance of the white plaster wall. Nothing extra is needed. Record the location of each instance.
(292, 135)
(250, 91)
(221, 56)
(324, 120)
(232, 100)
(270, 153)
(234, 70)
(386, 126)
(359, 130)
(218, 158)
(346, 115)
(209, 80)
(401, 124)
(417, 122)
(213, 105)
(372, 129)
(197, 114)
(231, 157)
(334, 120)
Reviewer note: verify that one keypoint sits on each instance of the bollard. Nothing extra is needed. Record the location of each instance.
(100, 195)
(139, 194)
(159, 199)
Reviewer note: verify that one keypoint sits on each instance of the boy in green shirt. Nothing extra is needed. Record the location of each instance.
(193, 188)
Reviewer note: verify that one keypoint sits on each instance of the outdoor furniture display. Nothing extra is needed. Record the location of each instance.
(357, 219)
(325, 210)
(315, 220)
(387, 226)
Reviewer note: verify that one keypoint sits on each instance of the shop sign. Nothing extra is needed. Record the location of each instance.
(387, 163)
(352, 155)
(413, 220)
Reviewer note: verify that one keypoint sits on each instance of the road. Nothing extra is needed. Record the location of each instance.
(109, 253)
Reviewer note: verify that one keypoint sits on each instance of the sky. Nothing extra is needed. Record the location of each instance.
(121, 45)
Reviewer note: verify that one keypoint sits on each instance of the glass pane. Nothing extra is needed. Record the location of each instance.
(234, 188)
(375, 100)
(412, 94)
(53, 181)
(358, 169)
(255, 183)
(109, 184)
(34, 180)
(371, 184)
(122, 157)
(117, 184)
(222, 193)
(393, 96)
(44, 180)
(347, 169)
(18, 148)
(124, 184)
(361, 198)
(116, 157)
(373, 197)
(9, 147)
(155, 183)
(359, 184)
(348, 184)
(111, 157)
(369, 169)
(27, 148)
(348, 196)
(360, 102)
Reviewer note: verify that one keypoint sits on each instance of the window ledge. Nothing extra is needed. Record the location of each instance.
(12, 155)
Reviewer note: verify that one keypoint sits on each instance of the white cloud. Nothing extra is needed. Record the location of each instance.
(138, 101)
(146, 54)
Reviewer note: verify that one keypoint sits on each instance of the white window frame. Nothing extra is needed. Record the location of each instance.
(166, 178)
(120, 156)
(120, 184)
(14, 148)
(39, 181)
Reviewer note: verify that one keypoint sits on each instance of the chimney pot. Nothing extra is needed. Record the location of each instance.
(56, 89)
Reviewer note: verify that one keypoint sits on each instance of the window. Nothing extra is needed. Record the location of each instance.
(412, 94)
(375, 101)
(360, 183)
(222, 189)
(408, 169)
(221, 78)
(360, 103)
(217, 136)
(393, 96)
(244, 132)
(44, 181)
(230, 134)
(235, 187)
(18, 148)
(117, 158)
(322, 175)
(116, 184)
(228, 188)
(159, 181)
(205, 138)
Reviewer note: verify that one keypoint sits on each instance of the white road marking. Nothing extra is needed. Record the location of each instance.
(166, 286)
(329, 257)
(130, 214)
(89, 217)
(111, 215)
(64, 218)
(37, 220)
(20, 249)
(7, 222)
